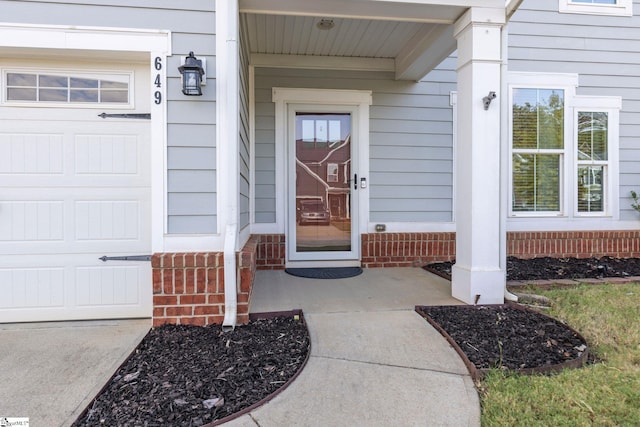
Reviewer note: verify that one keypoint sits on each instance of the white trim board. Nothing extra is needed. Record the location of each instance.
(85, 38)
(146, 45)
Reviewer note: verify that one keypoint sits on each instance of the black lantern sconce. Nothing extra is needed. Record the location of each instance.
(192, 75)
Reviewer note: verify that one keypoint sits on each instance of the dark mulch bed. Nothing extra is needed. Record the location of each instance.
(506, 337)
(189, 375)
(499, 336)
(558, 268)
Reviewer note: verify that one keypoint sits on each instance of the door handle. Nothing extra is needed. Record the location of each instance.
(355, 181)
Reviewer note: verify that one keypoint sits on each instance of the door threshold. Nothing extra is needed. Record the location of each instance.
(321, 264)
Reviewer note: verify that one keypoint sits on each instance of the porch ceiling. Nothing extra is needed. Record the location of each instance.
(406, 37)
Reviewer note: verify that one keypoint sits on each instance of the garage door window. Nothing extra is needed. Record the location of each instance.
(54, 88)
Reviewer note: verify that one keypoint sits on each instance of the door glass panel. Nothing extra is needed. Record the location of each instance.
(323, 182)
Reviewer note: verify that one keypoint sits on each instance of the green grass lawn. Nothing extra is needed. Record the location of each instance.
(603, 394)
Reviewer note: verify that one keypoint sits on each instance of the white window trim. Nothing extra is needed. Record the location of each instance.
(567, 83)
(621, 8)
(68, 72)
(336, 175)
(570, 219)
(611, 106)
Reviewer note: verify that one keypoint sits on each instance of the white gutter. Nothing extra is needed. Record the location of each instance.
(227, 136)
(504, 158)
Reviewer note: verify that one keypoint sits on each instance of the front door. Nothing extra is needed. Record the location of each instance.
(322, 180)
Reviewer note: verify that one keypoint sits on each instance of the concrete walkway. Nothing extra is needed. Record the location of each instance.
(49, 372)
(374, 361)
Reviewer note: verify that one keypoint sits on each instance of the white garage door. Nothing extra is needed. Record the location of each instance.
(73, 187)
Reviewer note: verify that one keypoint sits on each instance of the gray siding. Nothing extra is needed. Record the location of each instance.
(265, 163)
(411, 154)
(244, 140)
(604, 51)
(191, 121)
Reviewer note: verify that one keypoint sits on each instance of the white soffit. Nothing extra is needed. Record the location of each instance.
(407, 37)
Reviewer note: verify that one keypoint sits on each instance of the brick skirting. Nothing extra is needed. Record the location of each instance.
(406, 249)
(417, 249)
(188, 288)
(271, 252)
(574, 244)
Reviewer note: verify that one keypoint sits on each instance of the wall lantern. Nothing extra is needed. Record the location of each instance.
(192, 73)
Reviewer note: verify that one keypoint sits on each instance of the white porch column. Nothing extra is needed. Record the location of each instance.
(477, 276)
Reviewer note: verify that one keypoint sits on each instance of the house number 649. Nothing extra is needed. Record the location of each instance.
(157, 95)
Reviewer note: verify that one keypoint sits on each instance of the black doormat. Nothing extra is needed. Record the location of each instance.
(325, 273)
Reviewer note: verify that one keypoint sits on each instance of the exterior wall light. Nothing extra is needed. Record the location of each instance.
(487, 99)
(192, 73)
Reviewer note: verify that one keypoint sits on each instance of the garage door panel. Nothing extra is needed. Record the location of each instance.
(33, 154)
(67, 226)
(107, 220)
(75, 187)
(30, 220)
(32, 287)
(114, 161)
(107, 154)
(108, 285)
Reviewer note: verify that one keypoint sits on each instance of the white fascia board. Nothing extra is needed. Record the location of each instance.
(424, 52)
(322, 62)
(458, 3)
(443, 12)
(85, 38)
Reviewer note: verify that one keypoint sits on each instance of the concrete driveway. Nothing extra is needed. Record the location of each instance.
(50, 371)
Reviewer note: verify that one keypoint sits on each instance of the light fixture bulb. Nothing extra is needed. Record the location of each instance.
(326, 24)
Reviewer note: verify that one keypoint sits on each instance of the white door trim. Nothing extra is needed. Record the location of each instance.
(361, 100)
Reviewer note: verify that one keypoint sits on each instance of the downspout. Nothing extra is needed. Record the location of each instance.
(227, 89)
(230, 278)
(504, 167)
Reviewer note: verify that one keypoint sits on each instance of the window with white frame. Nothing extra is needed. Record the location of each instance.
(538, 149)
(597, 7)
(53, 87)
(563, 150)
(596, 155)
(332, 172)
